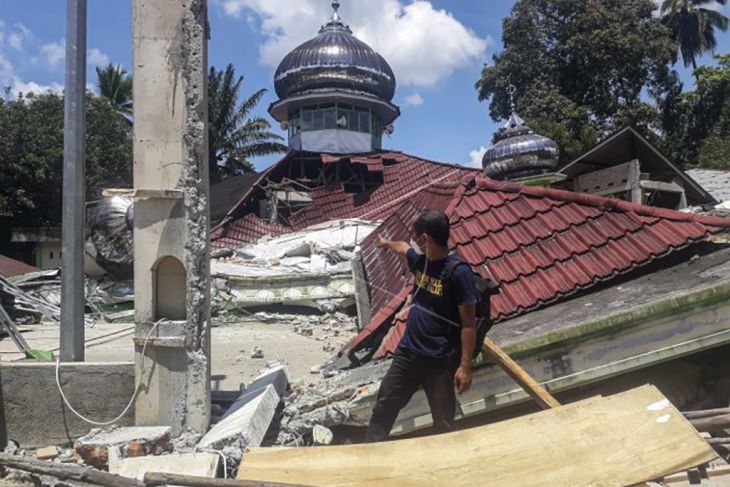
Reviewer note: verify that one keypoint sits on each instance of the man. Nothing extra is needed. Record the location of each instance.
(436, 350)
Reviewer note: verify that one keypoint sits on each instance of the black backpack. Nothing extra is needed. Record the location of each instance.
(485, 289)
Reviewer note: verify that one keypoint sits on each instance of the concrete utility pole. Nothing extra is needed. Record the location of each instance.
(171, 213)
(74, 186)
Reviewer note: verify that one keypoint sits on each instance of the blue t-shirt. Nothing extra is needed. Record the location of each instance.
(433, 328)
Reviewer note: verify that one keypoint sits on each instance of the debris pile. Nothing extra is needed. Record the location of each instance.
(311, 268)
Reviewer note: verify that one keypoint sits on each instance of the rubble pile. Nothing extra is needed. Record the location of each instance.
(311, 268)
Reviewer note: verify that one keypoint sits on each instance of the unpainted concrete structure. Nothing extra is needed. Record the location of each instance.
(33, 412)
(171, 254)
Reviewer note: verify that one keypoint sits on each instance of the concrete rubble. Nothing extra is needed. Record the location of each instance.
(309, 268)
(248, 419)
(246, 427)
(101, 446)
(195, 464)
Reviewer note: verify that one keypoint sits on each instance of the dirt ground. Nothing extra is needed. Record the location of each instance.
(232, 346)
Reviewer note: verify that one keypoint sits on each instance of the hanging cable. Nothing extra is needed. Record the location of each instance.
(131, 400)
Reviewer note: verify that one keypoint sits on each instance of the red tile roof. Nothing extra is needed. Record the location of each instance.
(11, 267)
(540, 244)
(248, 228)
(403, 177)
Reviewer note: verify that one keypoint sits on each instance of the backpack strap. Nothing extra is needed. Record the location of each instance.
(456, 261)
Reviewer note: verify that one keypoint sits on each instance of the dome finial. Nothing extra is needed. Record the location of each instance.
(511, 90)
(336, 15)
(335, 22)
(514, 119)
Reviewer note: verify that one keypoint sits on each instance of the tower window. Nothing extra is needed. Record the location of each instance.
(331, 116)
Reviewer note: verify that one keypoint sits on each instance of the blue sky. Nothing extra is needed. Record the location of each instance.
(436, 48)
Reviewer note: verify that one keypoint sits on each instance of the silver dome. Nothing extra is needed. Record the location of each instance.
(111, 232)
(335, 60)
(520, 152)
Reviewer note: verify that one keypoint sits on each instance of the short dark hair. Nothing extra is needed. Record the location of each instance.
(435, 224)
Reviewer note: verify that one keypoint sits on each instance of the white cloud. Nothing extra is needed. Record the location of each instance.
(19, 86)
(423, 44)
(54, 52)
(98, 58)
(414, 100)
(15, 41)
(476, 157)
(17, 38)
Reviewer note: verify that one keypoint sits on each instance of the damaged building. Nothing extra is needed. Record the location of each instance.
(605, 286)
(590, 287)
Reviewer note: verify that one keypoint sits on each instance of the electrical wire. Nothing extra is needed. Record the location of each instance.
(131, 400)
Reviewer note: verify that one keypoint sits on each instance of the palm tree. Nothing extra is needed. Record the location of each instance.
(233, 137)
(693, 24)
(116, 85)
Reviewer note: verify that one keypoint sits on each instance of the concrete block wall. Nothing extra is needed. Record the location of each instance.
(32, 411)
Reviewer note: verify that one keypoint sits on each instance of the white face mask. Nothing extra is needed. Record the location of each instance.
(416, 247)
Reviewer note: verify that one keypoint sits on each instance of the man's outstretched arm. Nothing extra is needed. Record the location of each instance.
(400, 248)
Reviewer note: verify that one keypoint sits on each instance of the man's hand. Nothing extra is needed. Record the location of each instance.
(383, 243)
(462, 379)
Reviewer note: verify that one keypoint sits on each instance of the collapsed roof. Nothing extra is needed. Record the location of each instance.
(540, 245)
(366, 186)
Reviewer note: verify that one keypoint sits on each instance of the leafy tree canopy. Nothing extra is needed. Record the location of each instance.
(116, 85)
(581, 68)
(31, 157)
(234, 136)
(698, 122)
(693, 24)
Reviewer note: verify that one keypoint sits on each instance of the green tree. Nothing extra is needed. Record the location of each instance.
(581, 68)
(697, 123)
(693, 24)
(233, 137)
(31, 151)
(116, 85)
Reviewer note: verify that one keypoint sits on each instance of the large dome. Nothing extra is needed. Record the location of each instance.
(335, 60)
(520, 152)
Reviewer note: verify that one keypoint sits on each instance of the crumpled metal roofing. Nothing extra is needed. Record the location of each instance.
(540, 244)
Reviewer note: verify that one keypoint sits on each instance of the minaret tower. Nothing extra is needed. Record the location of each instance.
(335, 93)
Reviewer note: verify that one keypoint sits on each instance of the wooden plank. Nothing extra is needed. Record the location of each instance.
(518, 374)
(707, 413)
(157, 479)
(63, 471)
(714, 423)
(625, 439)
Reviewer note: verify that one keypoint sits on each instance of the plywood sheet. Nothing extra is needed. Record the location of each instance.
(619, 440)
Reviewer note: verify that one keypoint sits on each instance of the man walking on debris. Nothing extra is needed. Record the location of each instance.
(437, 348)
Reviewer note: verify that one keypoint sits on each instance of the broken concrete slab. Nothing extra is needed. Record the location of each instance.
(194, 464)
(101, 446)
(275, 377)
(246, 427)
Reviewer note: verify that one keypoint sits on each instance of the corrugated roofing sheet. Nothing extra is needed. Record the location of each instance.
(540, 244)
